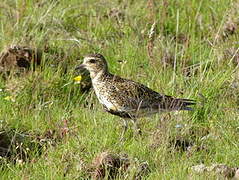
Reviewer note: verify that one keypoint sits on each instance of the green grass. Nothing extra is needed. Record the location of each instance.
(47, 100)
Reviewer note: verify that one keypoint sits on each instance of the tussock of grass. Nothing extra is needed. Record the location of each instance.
(190, 51)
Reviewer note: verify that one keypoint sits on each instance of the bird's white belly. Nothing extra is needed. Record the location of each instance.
(105, 100)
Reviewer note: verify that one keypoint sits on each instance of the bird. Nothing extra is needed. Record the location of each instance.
(126, 98)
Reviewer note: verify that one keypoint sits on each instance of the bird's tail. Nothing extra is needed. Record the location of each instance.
(182, 104)
(169, 103)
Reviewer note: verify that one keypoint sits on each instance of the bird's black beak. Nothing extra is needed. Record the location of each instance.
(80, 67)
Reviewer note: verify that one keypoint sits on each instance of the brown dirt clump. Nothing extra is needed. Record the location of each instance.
(219, 169)
(19, 57)
(116, 13)
(107, 164)
(111, 166)
(85, 84)
(16, 146)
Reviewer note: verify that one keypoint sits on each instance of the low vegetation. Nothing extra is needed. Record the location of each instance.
(52, 127)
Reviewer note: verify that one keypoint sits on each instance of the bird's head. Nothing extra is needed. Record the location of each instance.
(94, 63)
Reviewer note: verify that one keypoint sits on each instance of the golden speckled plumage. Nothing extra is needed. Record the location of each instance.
(127, 98)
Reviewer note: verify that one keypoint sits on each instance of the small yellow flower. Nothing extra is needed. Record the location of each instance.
(77, 79)
(9, 98)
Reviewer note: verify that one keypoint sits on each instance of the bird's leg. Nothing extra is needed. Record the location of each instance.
(125, 128)
(137, 130)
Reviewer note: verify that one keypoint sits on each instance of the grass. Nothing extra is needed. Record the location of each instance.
(190, 57)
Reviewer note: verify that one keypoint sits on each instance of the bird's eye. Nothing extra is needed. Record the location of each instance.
(92, 61)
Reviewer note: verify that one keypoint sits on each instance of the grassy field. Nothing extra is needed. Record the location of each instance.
(187, 49)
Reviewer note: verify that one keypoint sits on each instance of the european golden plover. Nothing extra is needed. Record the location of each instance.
(126, 98)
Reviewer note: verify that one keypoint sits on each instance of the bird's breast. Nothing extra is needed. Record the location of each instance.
(105, 96)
